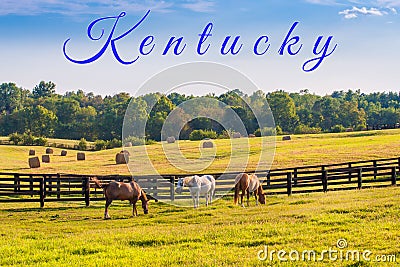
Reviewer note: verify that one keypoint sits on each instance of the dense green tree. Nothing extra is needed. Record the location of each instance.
(283, 109)
(77, 115)
(11, 98)
(44, 89)
(328, 108)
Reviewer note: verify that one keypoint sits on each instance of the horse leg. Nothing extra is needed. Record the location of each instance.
(248, 198)
(194, 199)
(255, 196)
(241, 197)
(134, 209)
(207, 199)
(108, 203)
(198, 198)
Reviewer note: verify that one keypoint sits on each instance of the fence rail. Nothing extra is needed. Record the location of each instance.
(42, 188)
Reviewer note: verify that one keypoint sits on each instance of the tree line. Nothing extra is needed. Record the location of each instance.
(75, 115)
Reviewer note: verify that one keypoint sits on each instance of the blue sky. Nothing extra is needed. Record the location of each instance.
(366, 34)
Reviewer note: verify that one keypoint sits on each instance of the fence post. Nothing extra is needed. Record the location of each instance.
(31, 184)
(87, 191)
(375, 170)
(289, 183)
(58, 185)
(155, 187)
(359, 178)
(325, 181)
(393, 176)
(172, 188)
(268, 178)
(44, 184)
(295, 176)
(50, 184)
(350, 172)
(17, 186)
(41, 191)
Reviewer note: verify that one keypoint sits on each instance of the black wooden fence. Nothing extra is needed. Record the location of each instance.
(16, 187)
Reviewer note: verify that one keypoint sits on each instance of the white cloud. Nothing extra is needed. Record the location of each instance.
(355, 11)
(200, 6)
(379, 4)
(322, 2)
(388, 3)
(78, 7)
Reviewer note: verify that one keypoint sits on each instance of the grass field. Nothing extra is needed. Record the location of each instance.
(65, 234)
(301, 150)
(70, 234)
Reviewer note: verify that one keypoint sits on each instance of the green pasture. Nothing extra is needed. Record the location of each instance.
(70, 234)
(301, 150)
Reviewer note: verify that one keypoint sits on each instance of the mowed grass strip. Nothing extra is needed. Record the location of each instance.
(69, 234)
(301, 150)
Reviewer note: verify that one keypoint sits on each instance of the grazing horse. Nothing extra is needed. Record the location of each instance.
(248, 184)
(123, 191)
(198, 185)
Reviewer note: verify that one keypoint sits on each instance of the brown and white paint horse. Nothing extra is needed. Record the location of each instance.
(123, 191)
(248, 184)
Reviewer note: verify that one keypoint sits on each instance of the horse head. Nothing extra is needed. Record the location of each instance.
(145, 203)
(261, 196)
(179, 186)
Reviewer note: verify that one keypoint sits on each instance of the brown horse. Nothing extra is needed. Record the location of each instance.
(248, 184)
(123, 191)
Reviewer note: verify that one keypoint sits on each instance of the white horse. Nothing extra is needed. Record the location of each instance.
(198, 185)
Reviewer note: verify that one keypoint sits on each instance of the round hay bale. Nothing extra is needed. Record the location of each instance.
(34, 162)
(32, 152)
(251, 136)
(49, 150)
(121, 158)
(208, 144)
(63, 153)
(171, 140)
(126, 152)
(286, 138)
(46, 158)
(237, 135)
(128, 144)
(80, 156)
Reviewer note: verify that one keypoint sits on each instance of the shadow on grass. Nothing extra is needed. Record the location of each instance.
(38, 209)
(15, 169)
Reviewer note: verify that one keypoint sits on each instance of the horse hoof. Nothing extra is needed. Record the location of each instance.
(107, 218)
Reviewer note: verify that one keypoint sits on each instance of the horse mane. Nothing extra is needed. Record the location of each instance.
(260, 190)
(186, 180)
(143, 196)
(98, 182)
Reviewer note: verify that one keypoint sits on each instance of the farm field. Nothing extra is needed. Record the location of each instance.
(301, 150)
(69, 234)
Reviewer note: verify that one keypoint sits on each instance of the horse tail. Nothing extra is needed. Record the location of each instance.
(236, 197)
